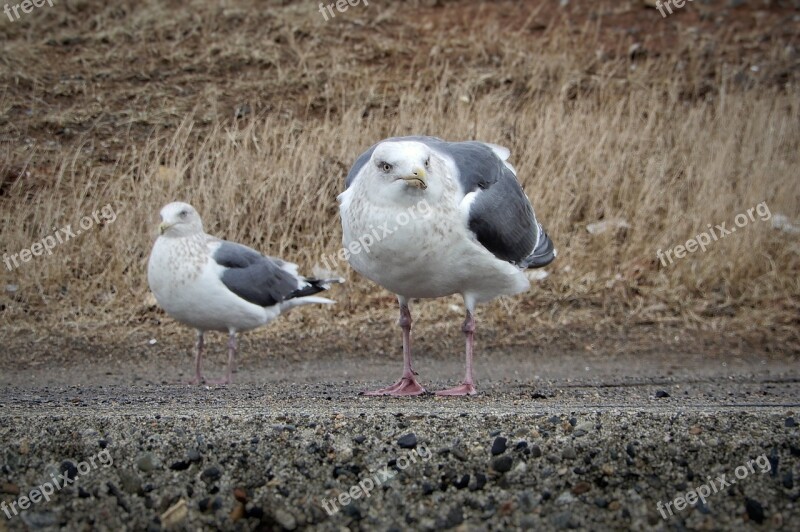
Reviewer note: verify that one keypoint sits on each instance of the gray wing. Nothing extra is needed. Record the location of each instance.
(258, 279)
(500, 215)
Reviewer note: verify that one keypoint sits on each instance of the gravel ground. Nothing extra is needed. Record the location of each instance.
(590, 443)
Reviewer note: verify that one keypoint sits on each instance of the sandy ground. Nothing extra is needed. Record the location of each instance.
(580, 440)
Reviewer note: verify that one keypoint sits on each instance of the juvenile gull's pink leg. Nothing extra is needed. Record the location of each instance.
(198, 373)
(228, 378)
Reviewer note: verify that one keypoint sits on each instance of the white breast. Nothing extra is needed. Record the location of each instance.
(423, 253)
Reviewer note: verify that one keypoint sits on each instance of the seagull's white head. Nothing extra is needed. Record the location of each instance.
(179, 219)
(405, 168)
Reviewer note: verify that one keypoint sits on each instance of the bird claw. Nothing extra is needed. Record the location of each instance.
(407, 386)
(462, 389)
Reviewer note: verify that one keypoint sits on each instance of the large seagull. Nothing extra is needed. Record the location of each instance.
(455, 221)
(216, 285)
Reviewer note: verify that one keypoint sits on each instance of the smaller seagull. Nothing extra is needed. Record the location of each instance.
(215, 285)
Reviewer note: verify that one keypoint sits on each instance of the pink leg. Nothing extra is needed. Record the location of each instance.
(468, 386)
(407, 385)
(198, 357)
(228, 378)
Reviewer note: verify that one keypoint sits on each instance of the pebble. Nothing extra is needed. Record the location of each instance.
(35, 520)
(601, 502)
(581, 430)
(147, 462)
(499, 446)
(285, 519)
(502, 464)
(565, 498)
(408, 441)
(754, 510)
(631, 450)
(661, 394)
(581, 488)
(238, 512)
(211, 474)
(526, 501)
(790, 422)
(9, 488)
(480, 482)
(175, 514)
(563, 520)
(459, 452)
(69, 469)
(180, 465)
(130, 481)
(194, 456)
(454, 517)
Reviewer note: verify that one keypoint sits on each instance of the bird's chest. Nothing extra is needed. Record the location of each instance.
(407, 250)
(175, 264)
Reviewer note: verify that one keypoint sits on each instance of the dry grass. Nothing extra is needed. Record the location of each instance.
(669, 142)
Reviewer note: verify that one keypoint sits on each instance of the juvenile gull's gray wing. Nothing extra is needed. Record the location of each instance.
(258, 279)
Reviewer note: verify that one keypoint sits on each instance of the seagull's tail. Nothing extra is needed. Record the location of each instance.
(543, 254)
(310, 287)
(305, 300)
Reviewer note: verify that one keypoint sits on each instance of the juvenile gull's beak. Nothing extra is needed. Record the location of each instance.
(163, 226)
(417, 179)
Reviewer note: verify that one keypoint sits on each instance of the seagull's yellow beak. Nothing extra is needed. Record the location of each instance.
(163, 226)
(417, 179)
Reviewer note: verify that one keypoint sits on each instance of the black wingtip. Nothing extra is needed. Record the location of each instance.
(315, 286)
(543, 255)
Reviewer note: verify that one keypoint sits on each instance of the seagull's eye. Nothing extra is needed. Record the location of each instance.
(428, 163)
(183, 214)
(386, 167)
